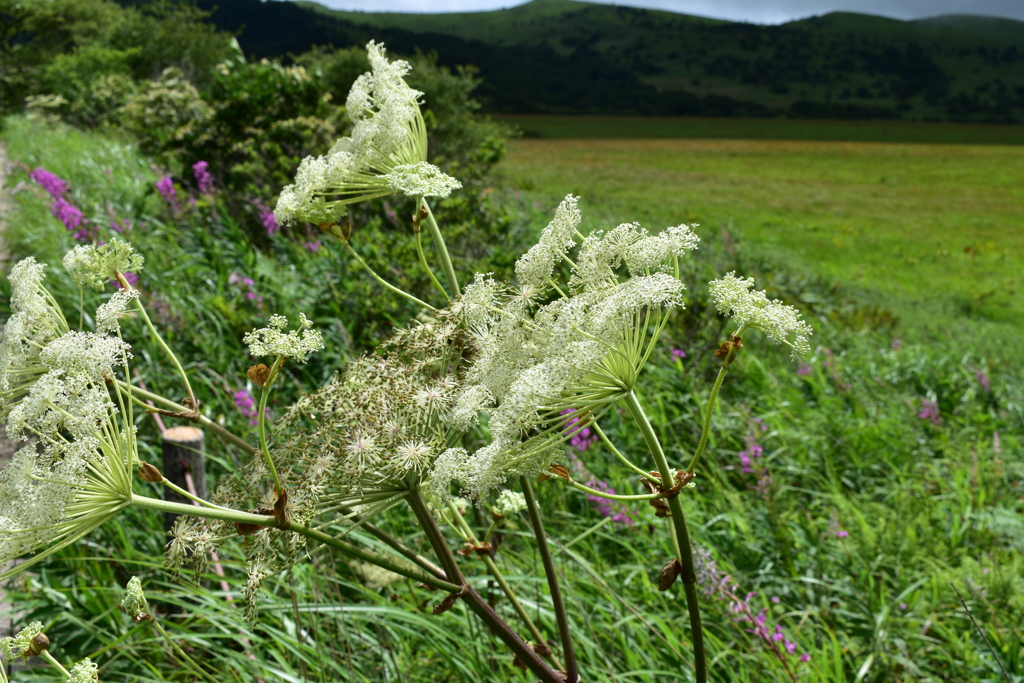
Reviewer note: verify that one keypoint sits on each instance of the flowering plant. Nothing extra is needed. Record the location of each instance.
(477, 397)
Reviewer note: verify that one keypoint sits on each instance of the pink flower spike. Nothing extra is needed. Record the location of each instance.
(775, 599)
(843, 533)
(805, 657)
(790, 646)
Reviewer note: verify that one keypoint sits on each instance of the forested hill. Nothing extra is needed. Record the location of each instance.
(562, 56)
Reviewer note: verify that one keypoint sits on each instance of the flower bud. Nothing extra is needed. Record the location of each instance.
(149, 473)
(258, 374)
(39, 644)
(668, 574)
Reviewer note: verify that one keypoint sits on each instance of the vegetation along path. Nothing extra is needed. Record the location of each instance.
(935, 232)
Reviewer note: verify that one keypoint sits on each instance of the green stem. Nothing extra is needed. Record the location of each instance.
(474, 600)
(185, 494)
(313, 534)
(682, 535)
(572, 674)
(223, 514)
(52, 660)
(610, 496)
(706, 429)
(262, 417)
(199, 419)
(620, 456)
(426, 266)
(384, 283)
(163, 345)
(442, 251)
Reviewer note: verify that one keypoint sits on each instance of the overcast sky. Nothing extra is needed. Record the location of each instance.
(758, 11)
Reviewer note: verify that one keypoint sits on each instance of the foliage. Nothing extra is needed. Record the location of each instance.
(71, 47)
(920, 503)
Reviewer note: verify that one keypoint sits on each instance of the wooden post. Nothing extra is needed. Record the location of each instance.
(184, 453)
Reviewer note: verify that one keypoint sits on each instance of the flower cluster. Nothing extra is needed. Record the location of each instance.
(386, 153)
(618, 511)
(94, 266)
(248, 287)
(509, 503)
(540, 366)
(247, 406)
(274, 341)
(930, 411)
(62, 209)
(204, 179)
(751, 308)
(79, 472)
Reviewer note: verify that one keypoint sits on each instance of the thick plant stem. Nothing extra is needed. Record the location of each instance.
(171, 406)
(682, 535)
(572, 673)
(53, 662)
(474, 600)
(492, 568)
(312, 534)
(442, 251)
(706, 428)
(262, 417)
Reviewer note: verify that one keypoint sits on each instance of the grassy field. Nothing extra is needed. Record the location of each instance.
(935, 232)
(697, 127)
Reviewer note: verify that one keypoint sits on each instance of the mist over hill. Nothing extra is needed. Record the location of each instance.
(563, 56)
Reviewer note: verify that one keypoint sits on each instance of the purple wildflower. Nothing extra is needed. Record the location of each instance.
(582, 439)
(54, 185)
(677, 354)
(130, 278)
(760, 423)
(247, 405)
(930, 411)
(897, 344)
(247, 286)
(166, 188)
(67, 213)
(805, 657)
(775, 599)
(203, 177)
(120, 225)
(312, 246)
(748, 464)
(268, 220)
(842, 533)
(903, 607)
(804, 370)
(984, 380)
(790, 647)
(608, 508)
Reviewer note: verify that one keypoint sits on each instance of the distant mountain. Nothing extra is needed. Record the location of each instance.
(563, 56)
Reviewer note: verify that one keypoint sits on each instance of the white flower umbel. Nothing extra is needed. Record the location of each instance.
(735, 296)
(509, 503)
(108, 315)
(274, 341)
(92, 266)
(421, 180)
(35, 321)
(536, 266)
(389, 134)
(79, 474)
(539, 367)
(84, 671)
(16, 646)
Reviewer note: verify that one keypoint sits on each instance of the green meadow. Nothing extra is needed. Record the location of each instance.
(934, 232)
